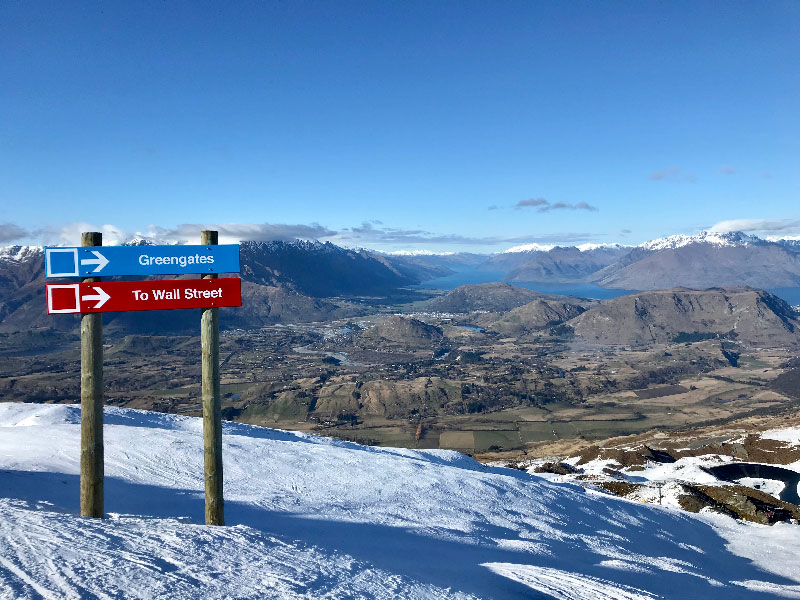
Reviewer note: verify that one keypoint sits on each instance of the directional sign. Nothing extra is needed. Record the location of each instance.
(124, 296)
(108, 261)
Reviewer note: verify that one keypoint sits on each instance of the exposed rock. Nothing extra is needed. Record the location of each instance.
(558, 468)
(624, 458)
(738, 501)
(619, 488)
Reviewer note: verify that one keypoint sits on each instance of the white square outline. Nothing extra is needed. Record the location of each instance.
(60, 286)
(73, 251)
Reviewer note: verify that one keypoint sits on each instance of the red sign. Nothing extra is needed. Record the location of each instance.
(124, 296)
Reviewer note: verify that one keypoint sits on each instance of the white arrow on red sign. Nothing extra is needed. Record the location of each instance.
(101, 296)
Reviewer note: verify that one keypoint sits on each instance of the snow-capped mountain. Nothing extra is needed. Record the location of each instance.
(592, 246)
(705, 260)
(588, 247)
(19, 253)
(730, 239)
(534, 247)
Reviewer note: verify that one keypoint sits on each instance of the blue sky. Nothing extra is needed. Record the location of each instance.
(399, 125)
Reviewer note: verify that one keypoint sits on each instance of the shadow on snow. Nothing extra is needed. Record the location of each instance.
(453, 559)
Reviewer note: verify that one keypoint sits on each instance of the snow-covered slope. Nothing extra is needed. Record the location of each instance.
(19, 253)
(534, 247)
(588, 247)
(311, 517)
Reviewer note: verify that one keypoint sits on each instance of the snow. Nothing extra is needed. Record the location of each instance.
(564, 585)
(311, 517)
(588, 247)
(768, 486)
(734, 238)
(18, 253)
(790, 435)
(530, 248)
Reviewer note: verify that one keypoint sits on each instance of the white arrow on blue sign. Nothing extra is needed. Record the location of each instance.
(109, 261)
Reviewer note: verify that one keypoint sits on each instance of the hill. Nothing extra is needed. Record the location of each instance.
(536, 315)
(492, 297)
(743, 314)
(311, 517)
(400, 331)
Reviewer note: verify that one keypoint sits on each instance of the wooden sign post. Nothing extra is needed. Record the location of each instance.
(212, 406)
(91, 297)
(92, 402)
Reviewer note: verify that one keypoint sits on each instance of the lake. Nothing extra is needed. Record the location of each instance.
(473, 277)
(582, 290)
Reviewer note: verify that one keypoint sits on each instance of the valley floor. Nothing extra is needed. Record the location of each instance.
(310, 517)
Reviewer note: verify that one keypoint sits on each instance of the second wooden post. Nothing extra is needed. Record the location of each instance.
(92, 402)
(212, 408)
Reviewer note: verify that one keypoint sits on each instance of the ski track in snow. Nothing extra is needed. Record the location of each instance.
(566, 586)
(312, 517)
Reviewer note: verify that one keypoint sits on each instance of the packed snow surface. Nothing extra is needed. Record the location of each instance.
(790, 435)
(310, 517)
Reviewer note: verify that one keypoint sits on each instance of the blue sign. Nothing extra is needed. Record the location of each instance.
(108, 261)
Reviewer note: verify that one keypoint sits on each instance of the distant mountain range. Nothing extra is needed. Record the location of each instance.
(705, 260)
(700, 261)
(282, 282)
(309, 281)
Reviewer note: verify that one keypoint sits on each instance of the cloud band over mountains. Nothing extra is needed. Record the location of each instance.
(371, 233)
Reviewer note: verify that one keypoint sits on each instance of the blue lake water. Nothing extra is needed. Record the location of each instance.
(473, 277)
(791, 295)
(582, 290)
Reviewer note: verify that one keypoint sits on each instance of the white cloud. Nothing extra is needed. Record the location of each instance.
(70, 234)
(369, 234)
(233, 233)
(789, 226)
